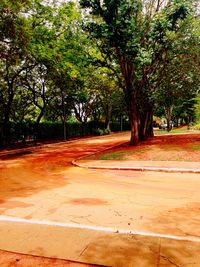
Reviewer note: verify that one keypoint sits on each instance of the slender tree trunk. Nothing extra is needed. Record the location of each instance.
(168, 113)
(64, 130)
(37, 124)
(7, 111)
(150, 132)
(6, 128)
(83, 128)
(6, 138)
(108, 116)
(121, 123)
(107, 123)
(65, 127)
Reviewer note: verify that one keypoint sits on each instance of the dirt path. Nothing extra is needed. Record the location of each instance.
(42, 184)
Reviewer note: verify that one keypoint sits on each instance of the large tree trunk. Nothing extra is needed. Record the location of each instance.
(134, 121)
(150, 132)
(130, 90)
(146, 122)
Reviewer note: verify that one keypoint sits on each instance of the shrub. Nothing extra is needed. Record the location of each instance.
(107, 131)
(100, 131)
(196, 126)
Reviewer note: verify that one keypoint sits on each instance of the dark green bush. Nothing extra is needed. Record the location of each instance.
(100, 131)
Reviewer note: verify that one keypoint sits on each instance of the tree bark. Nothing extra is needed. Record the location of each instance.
(168, 113)
(6, 126)
(134, 121)
(37, 124)
(146, 122)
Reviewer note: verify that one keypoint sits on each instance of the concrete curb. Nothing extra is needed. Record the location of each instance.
(129, 168)
(74, 162)
(133, 168)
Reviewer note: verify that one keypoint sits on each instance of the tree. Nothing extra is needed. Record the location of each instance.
(100, 85)
(180, 80)
(197, 108)
(134, 36)
(13, 57)
(59, 45)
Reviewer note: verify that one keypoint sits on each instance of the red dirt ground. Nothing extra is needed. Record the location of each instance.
(168, 148)
(24, 166)
(8, 259)
(48, 168)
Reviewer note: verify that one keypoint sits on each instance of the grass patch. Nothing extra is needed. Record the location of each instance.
(164, 159)
(196, 126)
(173, 131)
(120, 155)
(196, 147)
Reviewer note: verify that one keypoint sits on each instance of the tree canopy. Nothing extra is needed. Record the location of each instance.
(139, 36)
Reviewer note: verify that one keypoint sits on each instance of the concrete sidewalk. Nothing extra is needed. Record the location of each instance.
(103, 247)
(160, 166)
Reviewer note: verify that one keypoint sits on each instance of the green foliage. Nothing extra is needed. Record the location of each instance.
(28, 131)
(197, 108)
(132, 55)
(180, 80)
(149, 41)
(196, 126)
(178, 130)
(196, 147)
(100, 131)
